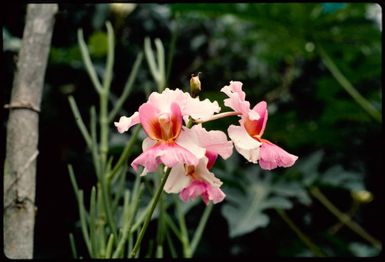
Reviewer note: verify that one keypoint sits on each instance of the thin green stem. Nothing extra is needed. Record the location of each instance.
(103, 119)
(183, 229)
(201, 226)
(110, 57)
(344, 82)
(83, 222)
(125, 154)
(92, 222)
(170, 245)
(161, 64)
(305, 239)
(127, 88)
(345, 218)
(171, 48)
(106, 205)
(94, 145)
(334, 229)
(109, 246)
(73, 246)
(88, 63)
(173, 227)
(149, 214)
(79, 121)
(151, 59)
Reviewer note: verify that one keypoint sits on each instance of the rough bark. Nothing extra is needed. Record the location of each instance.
(22, 132)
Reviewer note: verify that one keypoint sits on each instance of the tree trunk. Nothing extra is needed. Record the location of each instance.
(22, 132)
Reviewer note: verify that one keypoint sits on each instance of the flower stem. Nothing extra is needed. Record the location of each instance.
(149, 214)
(305, 239)
(201, 227)
(344, 82)
(345, 218)
(183, 229)
(217, 116)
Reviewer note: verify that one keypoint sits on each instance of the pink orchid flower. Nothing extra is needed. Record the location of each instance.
(191, 181)
(247, 137)
(162, 119)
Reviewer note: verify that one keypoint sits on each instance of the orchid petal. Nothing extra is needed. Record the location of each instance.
(272, 156)
(214, 141)
(188, 139)
(244, 143)
(236, 99)
(177, 180)
(148, 114)
(126, 122)
(170, 154)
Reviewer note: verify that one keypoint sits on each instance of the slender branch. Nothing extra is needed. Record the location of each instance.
(150, 212)
(344, 82)
(79, 121)
(183, 230)
(73, 246)
(110, 57)
(217, 116)
(126, 153)
(201, 226)
(87, 61)
(161, 64)
(127, 88)
(345, 218)
(305, 239)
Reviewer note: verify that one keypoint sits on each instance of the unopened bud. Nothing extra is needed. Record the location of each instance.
(362, 196)
(195, 85)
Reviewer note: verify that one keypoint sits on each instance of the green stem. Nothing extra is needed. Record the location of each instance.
(149, 214)
(103, 119)
(344, 82)
(73, 246)
(125, 154)
(79, 121)
(88, 63)
(110, 57)
(305, 239)
(94, 145)
(172, 48)
(127, 88)
(183, 229)
(201, 226)
(334, 229)
(92, 223)
(345, 218)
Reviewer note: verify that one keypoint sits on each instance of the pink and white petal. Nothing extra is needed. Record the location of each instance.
(177, 180)
(261, 110)
(196, 188)
(203, 173)
(215, 194)
(272, 156)
(236, 99)
(126, 122)
(176, 119)
(212, 157)
(147, 143)
(189, 140)
(168, 154)
(148, 114)
(200, 109)
(173, 154)
(163, 100)
(214, 141)
(149, 159)
(247, 146)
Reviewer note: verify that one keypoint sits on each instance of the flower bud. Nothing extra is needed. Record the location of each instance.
(362, 196)
(195, 85)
